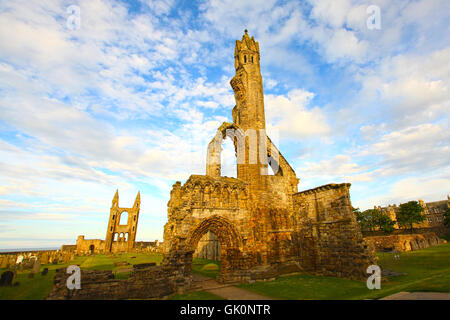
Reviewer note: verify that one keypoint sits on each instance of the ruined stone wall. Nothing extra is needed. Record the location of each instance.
(404, 242)
(154, 282)
(208, 247)
(329, 237)
(88, 246)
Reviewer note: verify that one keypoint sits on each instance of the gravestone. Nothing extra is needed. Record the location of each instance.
(44, 258)
(3, 261)
(36, 266)
(6, 278)
(45, 271)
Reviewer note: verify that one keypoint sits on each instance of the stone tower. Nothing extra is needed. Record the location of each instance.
(253, 148)
(247, 85)
(122, 237)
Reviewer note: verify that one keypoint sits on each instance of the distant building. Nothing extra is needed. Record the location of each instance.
(433, 211)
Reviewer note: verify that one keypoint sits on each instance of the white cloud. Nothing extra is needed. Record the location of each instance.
(291, 117)
(414, 149)
(414, 87)
(429, 188)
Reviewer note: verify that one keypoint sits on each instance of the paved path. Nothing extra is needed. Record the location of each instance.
(226, 291)
(418, 296)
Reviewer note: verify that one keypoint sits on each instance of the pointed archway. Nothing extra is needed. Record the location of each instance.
(230, 240)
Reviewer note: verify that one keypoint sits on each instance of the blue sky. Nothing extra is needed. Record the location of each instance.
(130, 99)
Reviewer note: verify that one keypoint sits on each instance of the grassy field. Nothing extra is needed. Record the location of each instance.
(39, 287)
(200, 266)
(426, 270)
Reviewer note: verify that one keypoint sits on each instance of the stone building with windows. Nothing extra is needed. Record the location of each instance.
(433, 211)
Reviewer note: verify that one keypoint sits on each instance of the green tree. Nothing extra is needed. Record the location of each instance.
(366, 219)
(410, 213)
(447, 218)
(373, 219)
(384, 222)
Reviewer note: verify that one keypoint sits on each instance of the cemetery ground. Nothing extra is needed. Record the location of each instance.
(426, 270)
(422, 270)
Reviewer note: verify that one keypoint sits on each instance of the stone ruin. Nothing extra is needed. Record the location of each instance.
(147, 281)
(265, 227)
(120, 233)
(404, 242)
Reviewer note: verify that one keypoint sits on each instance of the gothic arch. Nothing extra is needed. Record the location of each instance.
(229, 238)
(224, 230)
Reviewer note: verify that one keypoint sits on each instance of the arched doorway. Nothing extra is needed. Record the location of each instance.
(206, 257)
(91, 248)
(228, 237)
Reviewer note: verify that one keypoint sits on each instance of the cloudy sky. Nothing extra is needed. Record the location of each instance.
(127, 94)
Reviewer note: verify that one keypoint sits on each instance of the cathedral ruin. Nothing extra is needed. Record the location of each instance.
(264, 226)
(121, 231)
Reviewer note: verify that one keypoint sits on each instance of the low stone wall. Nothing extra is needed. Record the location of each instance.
(404, 242)
(438, 230)
(153, 282)
(261, 273)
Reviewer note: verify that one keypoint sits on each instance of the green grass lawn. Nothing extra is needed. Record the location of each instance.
(426, 270)
(39, 287)
(196, 295)
(198, 267)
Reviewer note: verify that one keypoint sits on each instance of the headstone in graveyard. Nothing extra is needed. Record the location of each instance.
(6, 278)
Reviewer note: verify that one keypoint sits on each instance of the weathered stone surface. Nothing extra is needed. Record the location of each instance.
(404, 242)
(36, 266)
(208, 247)
(152, 282)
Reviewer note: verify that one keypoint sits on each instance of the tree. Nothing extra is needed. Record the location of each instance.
(447, 218)
(410, 213)
(384, 222)
(364, 219)
(373, 219)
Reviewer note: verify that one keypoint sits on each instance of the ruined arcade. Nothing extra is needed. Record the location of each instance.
(265, 227)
